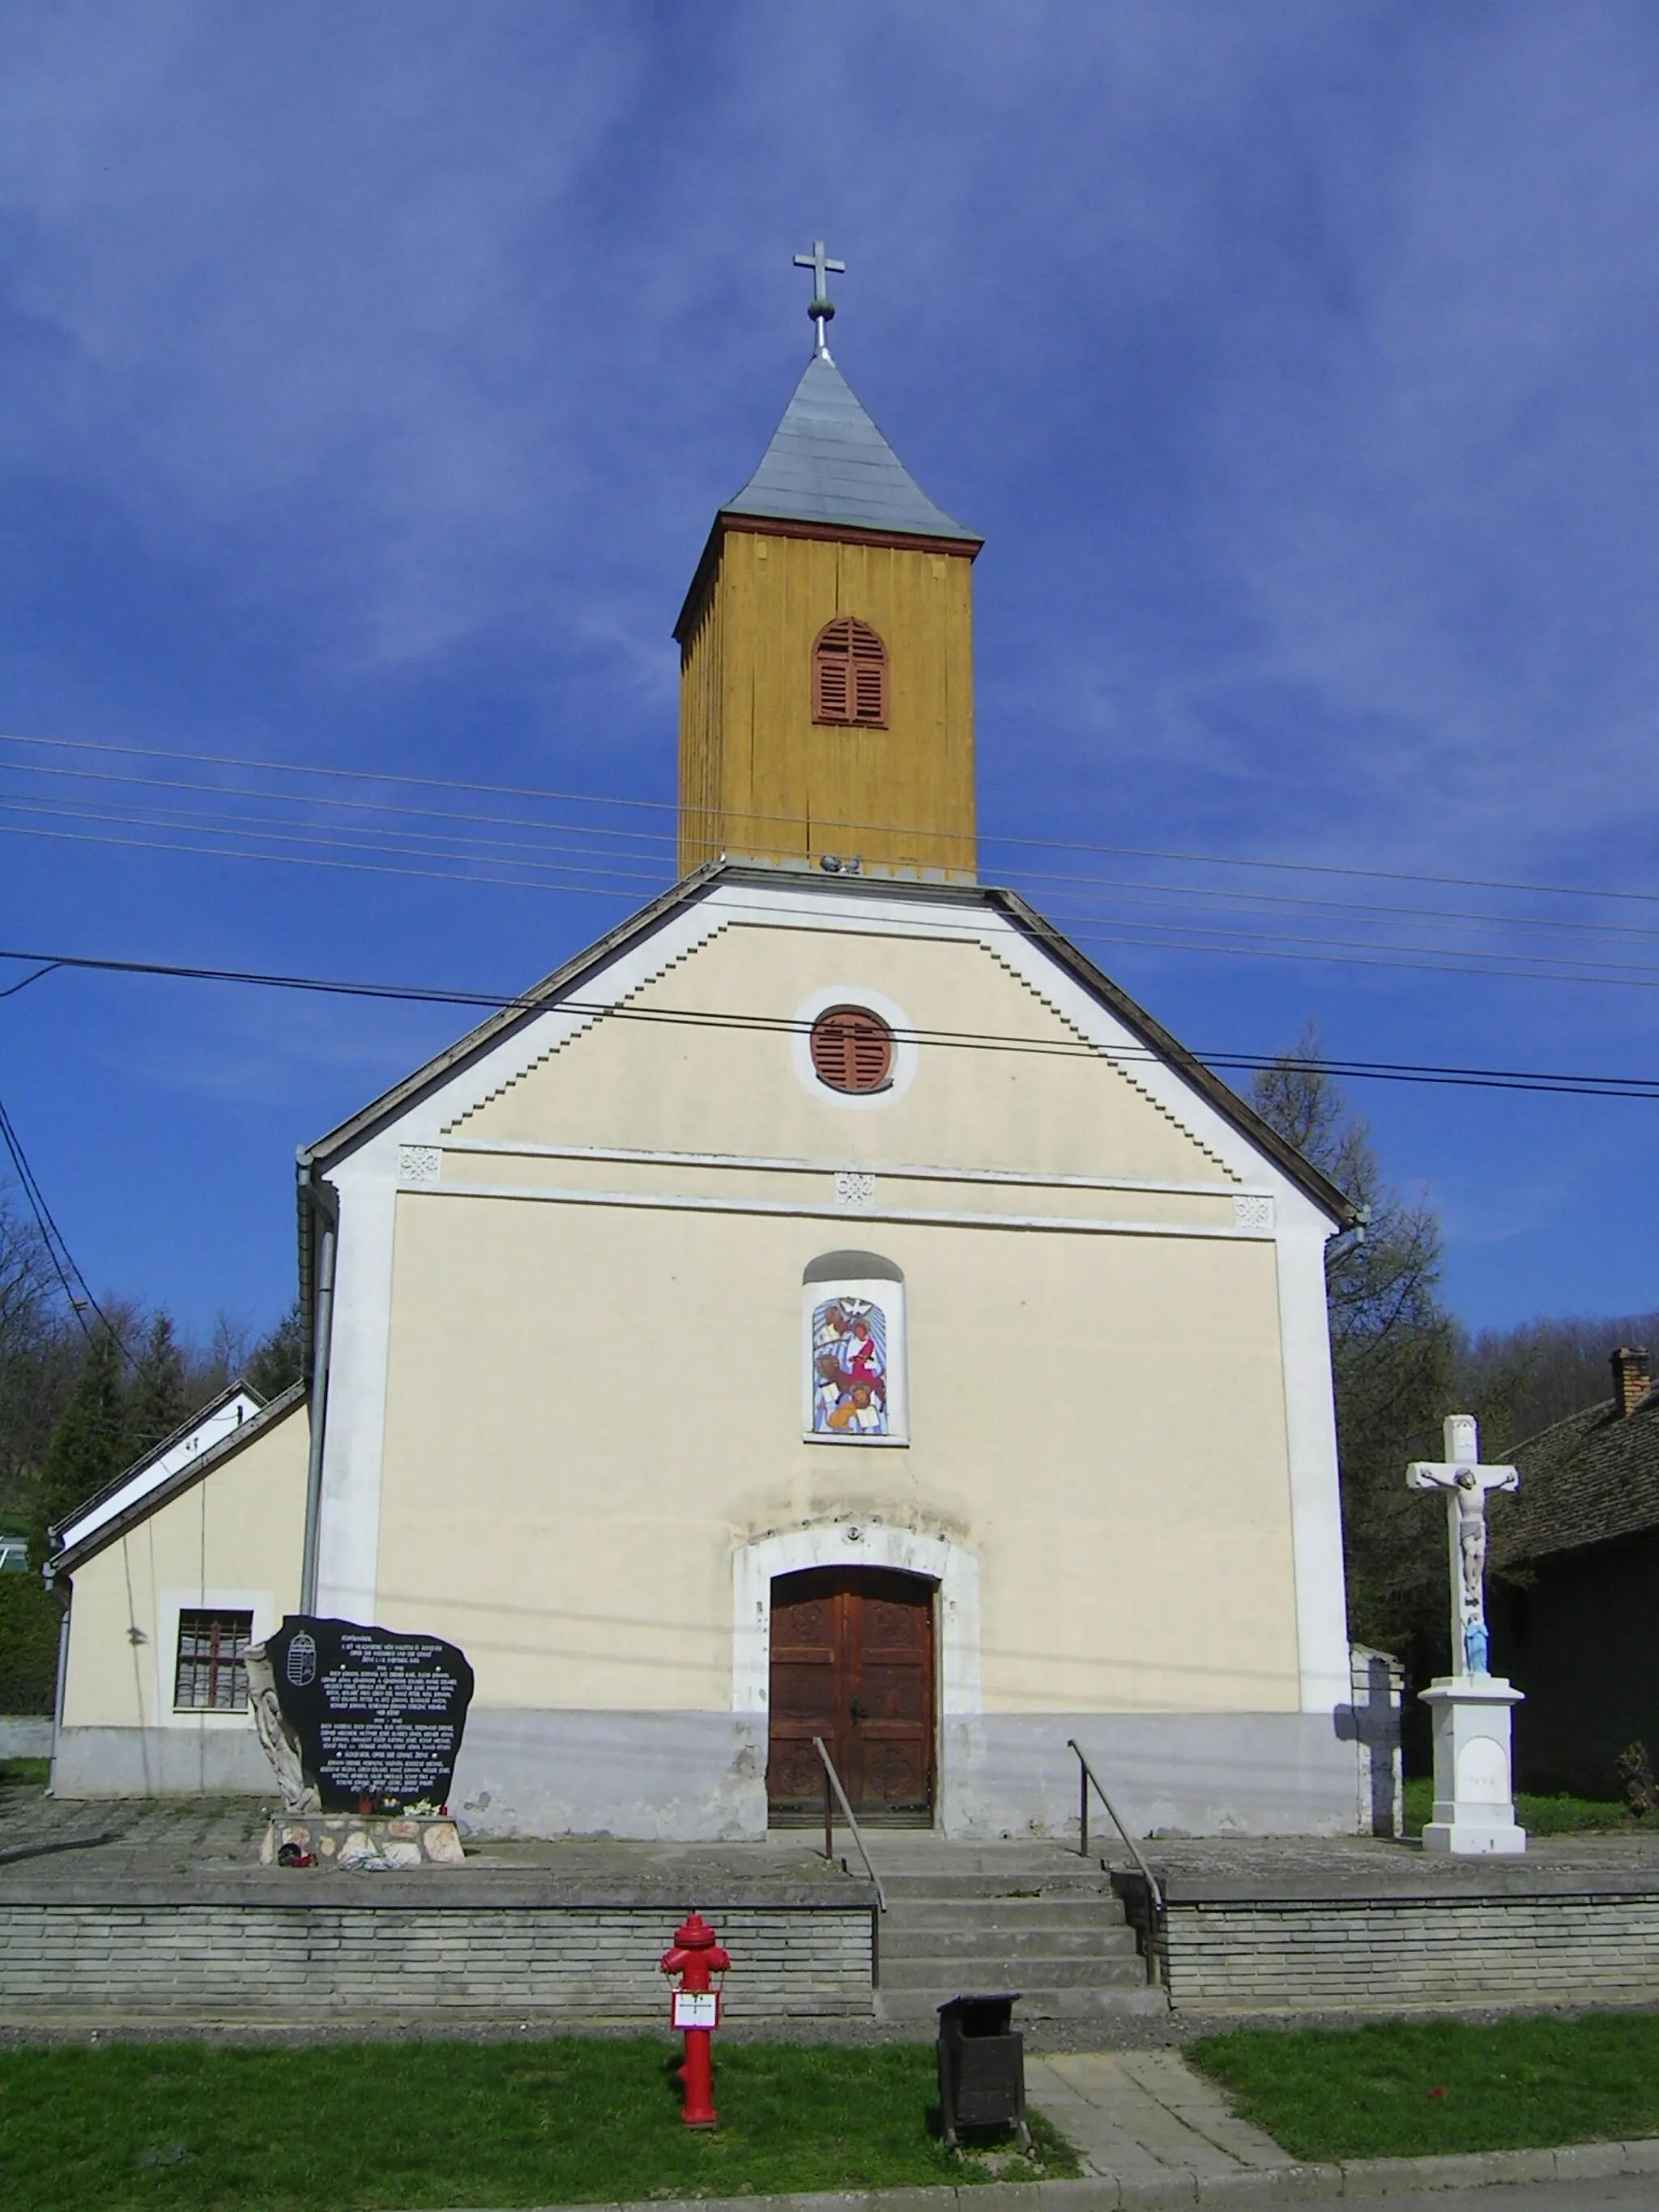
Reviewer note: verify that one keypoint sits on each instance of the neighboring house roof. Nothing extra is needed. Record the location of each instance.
(206, 1441)
(829, 464)
(314, 1159)
(1588, 1479)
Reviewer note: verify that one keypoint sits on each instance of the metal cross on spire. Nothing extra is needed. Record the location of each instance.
(822, 308)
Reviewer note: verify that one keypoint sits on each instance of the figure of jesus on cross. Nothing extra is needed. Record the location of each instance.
(1467, 1485)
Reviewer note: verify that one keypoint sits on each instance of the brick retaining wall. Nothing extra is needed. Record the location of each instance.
(254, 1960)
(1378, 1953)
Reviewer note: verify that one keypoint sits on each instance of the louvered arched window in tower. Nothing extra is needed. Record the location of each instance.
(849, 675)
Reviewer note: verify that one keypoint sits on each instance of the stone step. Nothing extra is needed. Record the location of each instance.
(923, 1853)
(956, 1882)
(989, 1971)
(1011, 1912)
(1087, 1942)
(919, 2007)
(937, 1850)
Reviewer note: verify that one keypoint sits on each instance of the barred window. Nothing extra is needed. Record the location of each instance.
(212, 1677)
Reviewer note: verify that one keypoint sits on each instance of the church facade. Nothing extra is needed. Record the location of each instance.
(826, 1311)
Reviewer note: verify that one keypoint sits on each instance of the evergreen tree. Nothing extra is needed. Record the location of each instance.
(275, 1362)
(1392, 1344)
(89, 1444)
(159, 1398)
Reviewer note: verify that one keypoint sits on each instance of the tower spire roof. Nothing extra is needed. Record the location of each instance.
(829, 464)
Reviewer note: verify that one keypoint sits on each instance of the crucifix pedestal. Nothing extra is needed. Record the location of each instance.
(1474, 1771)
(1474, 1793)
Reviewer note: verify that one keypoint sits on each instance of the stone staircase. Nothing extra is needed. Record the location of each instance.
(1031, 1916)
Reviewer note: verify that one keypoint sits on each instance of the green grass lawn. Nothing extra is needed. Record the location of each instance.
(1539, 1816)
(25, 1773)
(1408, 2089)
(569, 2121)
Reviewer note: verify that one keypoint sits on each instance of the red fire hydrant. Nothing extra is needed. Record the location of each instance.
(695, 2010)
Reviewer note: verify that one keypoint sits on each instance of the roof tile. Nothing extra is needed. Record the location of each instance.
(1591, 1477)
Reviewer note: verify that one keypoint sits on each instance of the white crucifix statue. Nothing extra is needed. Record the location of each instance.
(1474, 1788)
(1468, 1485)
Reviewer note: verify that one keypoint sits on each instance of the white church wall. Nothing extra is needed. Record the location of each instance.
(629, 1417)
(1173, 1774)
(569, 1382)
(583, 1400)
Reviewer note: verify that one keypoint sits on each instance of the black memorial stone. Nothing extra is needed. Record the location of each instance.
(378, 1713)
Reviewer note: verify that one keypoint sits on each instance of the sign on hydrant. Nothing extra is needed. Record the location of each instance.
(696, 2009)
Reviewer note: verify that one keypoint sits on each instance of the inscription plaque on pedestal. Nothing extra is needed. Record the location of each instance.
(378, 1713)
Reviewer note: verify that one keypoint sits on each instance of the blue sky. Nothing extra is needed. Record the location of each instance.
(369, 376)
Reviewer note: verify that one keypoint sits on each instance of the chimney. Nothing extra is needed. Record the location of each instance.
(1630, 1379)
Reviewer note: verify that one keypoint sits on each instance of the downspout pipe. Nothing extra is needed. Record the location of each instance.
(62, 1679)
(321, 1340)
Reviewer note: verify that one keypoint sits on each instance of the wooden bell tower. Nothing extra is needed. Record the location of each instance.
(826, 655)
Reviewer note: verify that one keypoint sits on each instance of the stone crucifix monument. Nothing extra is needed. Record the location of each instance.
(1473, 1785)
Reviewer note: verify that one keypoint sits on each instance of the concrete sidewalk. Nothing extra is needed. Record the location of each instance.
(1141, 2116)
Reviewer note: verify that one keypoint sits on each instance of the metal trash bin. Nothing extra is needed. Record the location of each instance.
(981, 2067)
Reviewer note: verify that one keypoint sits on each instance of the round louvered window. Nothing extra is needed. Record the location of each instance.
(852, 1049)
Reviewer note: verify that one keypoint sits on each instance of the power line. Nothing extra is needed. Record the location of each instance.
(177, 818)
(1532, 1079)
(173, 822)
(1439, 960)
(240, 835)
(669, 807)
(234, 825)
(51, 1236)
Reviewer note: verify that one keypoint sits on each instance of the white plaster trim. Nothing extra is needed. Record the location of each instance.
(853, 1543)
(907, 1054)
(1322, 1604)
(354, 1437)
(674, 1202)
(889, 1293)
(782, 1164)
(169, 1604)
(150, 1477)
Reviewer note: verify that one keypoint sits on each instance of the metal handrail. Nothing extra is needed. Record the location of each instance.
(1154, 1888)
(832, 1781)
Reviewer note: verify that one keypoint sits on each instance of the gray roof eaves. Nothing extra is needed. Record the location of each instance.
(273, 1412)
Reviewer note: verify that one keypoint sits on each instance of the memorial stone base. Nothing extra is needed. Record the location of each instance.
(1474, 1789)
(370, 1841)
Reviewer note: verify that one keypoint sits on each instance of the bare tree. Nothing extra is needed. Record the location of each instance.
(38, 1357)
(1391, 1348)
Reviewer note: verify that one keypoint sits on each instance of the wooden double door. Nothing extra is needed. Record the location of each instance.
(852, 1662)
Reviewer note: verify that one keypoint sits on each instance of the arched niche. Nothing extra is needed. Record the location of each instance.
(854, 1390)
